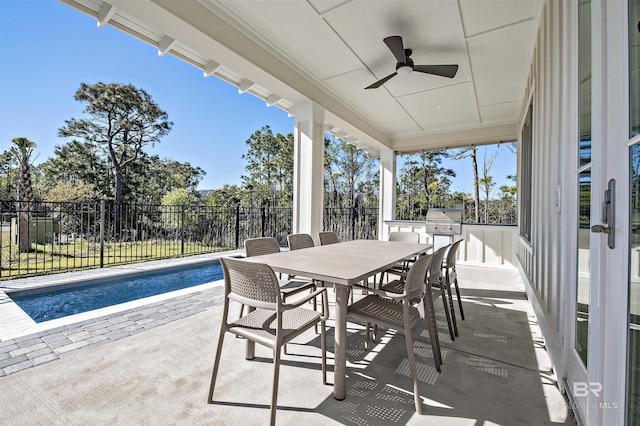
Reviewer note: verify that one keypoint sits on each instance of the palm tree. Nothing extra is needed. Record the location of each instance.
(22, 150)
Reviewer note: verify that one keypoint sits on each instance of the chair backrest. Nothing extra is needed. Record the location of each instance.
(299, 241)
(415, 284)
(260, 246)
(252, 284)
(405, 237)
(328, 237)
(435, 269)
(451, 254)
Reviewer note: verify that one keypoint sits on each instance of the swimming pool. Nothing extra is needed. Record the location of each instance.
(45, 305)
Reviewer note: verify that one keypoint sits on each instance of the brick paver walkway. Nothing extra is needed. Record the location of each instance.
(35, 349)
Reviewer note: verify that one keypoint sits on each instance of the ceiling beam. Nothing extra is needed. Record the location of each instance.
(210, 68)
(104, 14)
(245, 85)
(273, 99)
(165, 45)
(504, 132)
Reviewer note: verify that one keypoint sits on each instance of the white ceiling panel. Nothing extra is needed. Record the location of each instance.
(402, 128)
(498, 64)
(499, 113)
(298, 33)
(442, 109)
(482, 16)
(376, 104)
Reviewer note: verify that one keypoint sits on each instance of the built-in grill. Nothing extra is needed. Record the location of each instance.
(442, 225)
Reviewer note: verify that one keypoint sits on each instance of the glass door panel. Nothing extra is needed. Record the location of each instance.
(584, 265)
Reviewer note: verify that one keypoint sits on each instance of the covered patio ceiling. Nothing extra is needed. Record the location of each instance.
(328, 51)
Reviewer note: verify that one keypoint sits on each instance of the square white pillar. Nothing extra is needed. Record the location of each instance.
(387, 198)
(308, 169)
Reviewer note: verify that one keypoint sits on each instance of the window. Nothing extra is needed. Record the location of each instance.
(525, 172)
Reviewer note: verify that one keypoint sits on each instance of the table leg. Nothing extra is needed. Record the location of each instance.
(340, 368)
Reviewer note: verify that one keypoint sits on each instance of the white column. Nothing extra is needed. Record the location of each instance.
(308, 169)
(387, 198)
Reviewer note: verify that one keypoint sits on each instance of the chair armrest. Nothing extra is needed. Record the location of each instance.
(388, 294)
(302, 301)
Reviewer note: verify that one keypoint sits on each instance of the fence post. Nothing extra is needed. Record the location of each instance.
(182, 232)
(238, 226)
(263, 221)
(102, 208)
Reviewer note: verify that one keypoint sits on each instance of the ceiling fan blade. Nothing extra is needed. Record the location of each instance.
(381, 82)
(441, 70)
(394, 43)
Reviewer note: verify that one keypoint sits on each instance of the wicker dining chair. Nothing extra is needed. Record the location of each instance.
(268, 245)
(439, 287)
(300, 241)
(451, 276)
(399, 311)
(328, 237)
(270, 322)
(401, 268)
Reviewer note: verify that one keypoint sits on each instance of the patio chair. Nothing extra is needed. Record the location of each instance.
(269, 245)
(328, 237)
(270, 322)
(399, 311)
(451, 276)
(300, 241)
(439, 287)
(401, 268)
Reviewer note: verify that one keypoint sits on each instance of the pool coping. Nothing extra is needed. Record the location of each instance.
(15, 323)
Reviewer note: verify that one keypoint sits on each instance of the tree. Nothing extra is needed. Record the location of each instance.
(79, 162)
(122, 118)
(472, 153)
(22, 151)
(66, 191)
(8, 169)
(347, 173)
(269, 167)
(423, 182)
(174, 203)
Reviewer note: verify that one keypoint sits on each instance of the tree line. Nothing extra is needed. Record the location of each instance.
(105, 157)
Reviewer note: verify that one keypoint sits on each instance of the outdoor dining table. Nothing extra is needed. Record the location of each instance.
(344, 264)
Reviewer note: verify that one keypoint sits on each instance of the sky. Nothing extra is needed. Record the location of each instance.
(47, 49)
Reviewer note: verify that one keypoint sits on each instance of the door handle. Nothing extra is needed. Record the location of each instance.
(608, 215)
(601, 229)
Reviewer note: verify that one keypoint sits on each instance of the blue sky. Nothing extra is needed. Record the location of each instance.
(47, 49)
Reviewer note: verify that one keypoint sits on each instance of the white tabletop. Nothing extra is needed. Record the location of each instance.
(344, 263)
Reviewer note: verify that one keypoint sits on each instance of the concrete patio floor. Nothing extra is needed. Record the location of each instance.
(496, 372)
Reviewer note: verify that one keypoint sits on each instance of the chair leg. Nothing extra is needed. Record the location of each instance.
(455, 282)
(432, 326)
(216, 364)
(451, 309)
(412, 361)
(274, 394)
(446, 310)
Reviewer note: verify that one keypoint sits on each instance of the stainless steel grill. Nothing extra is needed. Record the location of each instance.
(442, 225)
(444, 221)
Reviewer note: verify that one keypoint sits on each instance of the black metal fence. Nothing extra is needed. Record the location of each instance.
(43, 237)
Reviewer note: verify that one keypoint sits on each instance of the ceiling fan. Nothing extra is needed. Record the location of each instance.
(405, 64)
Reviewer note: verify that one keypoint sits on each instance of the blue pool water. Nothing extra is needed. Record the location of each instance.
(74, 300)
